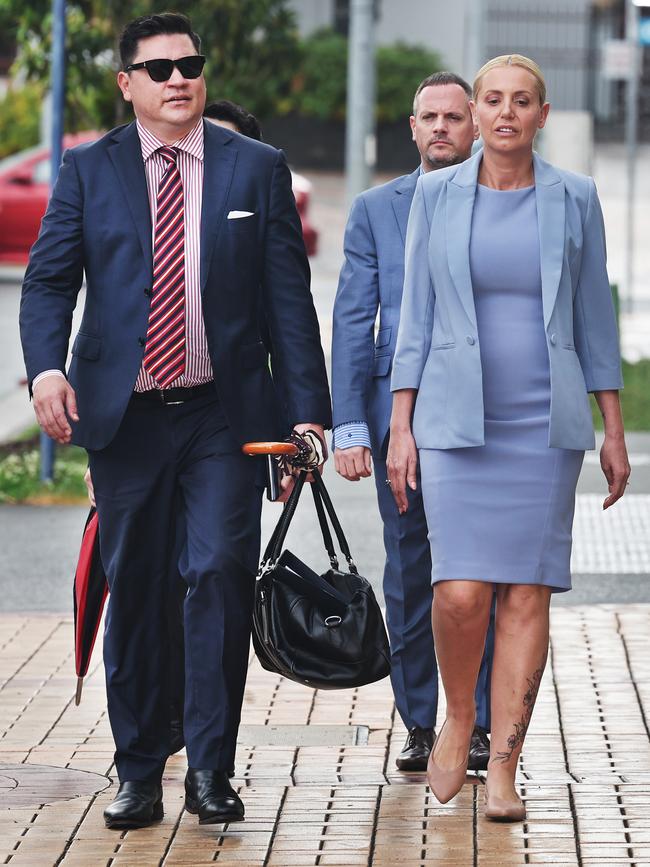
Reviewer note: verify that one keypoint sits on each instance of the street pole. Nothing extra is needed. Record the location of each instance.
(360, 139)
(631, 136)
(57, 87)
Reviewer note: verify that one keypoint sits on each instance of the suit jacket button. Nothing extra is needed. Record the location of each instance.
(141, 341)
(470, 340)
(553, 339)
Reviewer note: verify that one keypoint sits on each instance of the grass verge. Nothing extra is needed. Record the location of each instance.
(20, 473)
(635, 397)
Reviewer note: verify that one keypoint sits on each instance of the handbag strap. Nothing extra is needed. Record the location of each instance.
(320, 491)
(324, 526)
(275, 543)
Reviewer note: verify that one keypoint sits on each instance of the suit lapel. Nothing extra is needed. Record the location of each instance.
(549, 195)
(126, 155)
(402, 199)
(461, 192)
(219, 160)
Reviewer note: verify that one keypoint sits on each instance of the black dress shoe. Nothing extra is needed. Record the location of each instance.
(415, 753)
(210, 794)
(136, 805)
(479, 750)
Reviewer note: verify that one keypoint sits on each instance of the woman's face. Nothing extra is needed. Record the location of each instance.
(508, 110)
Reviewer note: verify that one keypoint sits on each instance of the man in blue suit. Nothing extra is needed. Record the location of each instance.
(371, 281)
(185, 231)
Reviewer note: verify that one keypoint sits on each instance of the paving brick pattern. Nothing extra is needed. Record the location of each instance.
(333, 799)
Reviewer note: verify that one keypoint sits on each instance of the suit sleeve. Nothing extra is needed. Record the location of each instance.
(355, 310)
(595, 333)
(53, 277)
(298, 361)
(416, 318)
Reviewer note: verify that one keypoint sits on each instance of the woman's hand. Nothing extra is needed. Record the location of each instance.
(402, 463)
(615, 466)
(613, 453)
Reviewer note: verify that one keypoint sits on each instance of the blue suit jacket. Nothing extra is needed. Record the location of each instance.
(437, 347)
(98, 222)
(372, 277)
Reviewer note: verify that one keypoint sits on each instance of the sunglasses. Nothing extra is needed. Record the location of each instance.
(162, 69)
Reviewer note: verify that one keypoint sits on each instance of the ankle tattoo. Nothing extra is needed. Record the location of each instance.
(517, 738)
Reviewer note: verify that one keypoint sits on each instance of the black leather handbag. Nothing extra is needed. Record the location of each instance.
(324, 631)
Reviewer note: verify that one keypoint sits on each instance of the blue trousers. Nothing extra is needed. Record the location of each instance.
(408, 595)
(169, 464)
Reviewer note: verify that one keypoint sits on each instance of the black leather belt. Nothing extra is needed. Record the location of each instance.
(174, 396)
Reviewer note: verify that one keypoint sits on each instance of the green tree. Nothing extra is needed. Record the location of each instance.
(321, 86)
(252, 49)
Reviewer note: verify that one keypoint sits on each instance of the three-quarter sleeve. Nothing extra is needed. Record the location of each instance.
(594, 322)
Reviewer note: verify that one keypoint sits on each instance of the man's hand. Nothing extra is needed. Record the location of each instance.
(55, 405)
(287, 482)
(354, 463)
(88, 479)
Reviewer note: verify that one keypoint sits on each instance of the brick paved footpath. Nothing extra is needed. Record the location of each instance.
(317, 769)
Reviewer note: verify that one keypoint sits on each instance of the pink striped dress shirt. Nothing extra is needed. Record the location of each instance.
(198, 367)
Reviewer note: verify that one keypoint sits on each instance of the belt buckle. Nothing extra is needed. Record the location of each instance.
(161, 392)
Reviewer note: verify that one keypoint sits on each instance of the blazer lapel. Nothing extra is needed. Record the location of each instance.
(126, 155)
(219, 160)
(549, 195)
(461, 192)
(402, 199)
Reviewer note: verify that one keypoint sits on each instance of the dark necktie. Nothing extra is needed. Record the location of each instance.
(164, 355)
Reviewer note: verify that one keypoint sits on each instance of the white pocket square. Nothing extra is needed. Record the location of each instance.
(237, 215)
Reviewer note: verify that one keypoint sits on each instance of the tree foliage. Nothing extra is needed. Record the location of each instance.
(320, 88)
(251, 46)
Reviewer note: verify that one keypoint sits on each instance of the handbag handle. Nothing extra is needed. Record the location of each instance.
(320, 491)
(325, 529)
(323, 504)
(275, 543)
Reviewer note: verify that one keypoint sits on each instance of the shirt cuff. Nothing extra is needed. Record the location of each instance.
(45, 373)
(352, 433)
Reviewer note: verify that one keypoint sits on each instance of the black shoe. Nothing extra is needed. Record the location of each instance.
(209, 794)
(415, 753)
(479, 750)
(136, 805)
(177, 738)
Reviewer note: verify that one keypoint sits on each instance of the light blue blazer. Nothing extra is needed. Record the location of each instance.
(438, 349)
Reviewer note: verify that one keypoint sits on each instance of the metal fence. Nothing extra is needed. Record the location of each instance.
(566, 37)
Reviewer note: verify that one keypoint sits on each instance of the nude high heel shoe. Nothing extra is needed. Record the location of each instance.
(445, 784)
(500, 810)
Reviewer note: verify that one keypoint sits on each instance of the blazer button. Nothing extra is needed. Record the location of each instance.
(141, 341)
(553, 339)
(470, 340)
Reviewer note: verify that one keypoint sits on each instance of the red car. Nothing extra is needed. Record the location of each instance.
(25, 188)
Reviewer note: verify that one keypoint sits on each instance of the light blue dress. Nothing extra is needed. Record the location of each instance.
(503, 512)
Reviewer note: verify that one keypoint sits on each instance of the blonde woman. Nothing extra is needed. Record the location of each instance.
(507, 323)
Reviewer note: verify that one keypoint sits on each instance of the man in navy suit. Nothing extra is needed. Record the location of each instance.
(185, 231)
(371, 280)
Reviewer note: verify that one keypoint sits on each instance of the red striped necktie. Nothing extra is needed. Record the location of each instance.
(164, 355)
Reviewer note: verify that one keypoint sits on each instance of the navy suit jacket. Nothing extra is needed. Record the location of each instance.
(371, 278)
(98, 222)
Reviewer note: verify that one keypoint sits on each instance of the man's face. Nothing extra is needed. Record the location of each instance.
(168, 108)
(443, 127)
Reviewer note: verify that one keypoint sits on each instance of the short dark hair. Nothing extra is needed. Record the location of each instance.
(439, 78)
(154, 25)
(246, 123)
